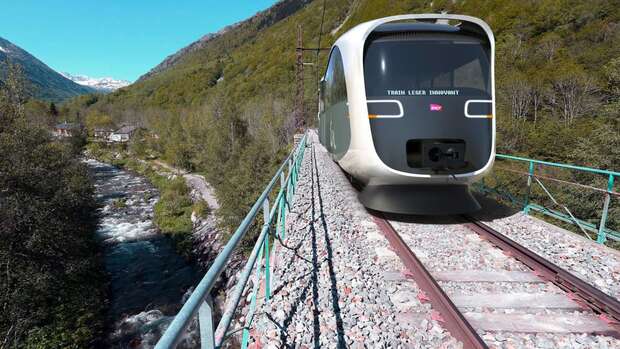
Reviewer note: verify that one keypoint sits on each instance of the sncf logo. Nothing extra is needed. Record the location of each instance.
(436, 107)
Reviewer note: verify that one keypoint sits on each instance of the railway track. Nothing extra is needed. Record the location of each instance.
(554, 301)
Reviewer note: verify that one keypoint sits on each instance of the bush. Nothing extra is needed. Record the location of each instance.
(201, 209)
(174, 209)
(173, 213)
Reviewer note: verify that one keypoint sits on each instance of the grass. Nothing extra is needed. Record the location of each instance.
(201, 209)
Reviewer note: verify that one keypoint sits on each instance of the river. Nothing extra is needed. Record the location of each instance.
(148, 278)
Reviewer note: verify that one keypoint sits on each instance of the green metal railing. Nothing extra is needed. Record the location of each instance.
(200, 302)
(602, 231)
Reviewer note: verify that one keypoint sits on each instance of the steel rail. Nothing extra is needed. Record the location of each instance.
(454, 321)
(588, 295)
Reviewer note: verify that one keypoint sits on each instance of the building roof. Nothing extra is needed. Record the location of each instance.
(104, 129)
(67, 126)
(126, 129)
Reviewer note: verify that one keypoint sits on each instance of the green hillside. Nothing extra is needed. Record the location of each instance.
(225, 108)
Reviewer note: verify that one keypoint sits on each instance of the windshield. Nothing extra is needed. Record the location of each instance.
(414, 67)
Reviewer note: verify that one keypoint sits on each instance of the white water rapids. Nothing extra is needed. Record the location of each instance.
(148, 278)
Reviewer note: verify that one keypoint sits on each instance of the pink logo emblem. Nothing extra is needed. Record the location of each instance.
(436, 107)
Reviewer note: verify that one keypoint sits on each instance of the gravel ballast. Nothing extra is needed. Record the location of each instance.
(337, 283)
(596, 264)
(444, 244)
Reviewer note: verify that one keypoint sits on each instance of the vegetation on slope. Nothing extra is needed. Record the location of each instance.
(52, 287)
(226, 108)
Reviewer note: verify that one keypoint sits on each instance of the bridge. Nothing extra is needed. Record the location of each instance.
(325, 272)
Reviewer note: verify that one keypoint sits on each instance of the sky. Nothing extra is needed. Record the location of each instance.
(122, 39)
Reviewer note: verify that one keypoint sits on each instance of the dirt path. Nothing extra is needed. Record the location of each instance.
(196, 182)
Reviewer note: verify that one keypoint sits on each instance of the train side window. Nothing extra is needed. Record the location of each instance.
(329, 81)
(340, 86)
(335, 88)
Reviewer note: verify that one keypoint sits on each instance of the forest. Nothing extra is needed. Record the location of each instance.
(52, 288)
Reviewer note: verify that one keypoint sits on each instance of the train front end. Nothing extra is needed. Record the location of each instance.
(429, 95)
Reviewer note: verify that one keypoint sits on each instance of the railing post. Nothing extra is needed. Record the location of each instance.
(267, 237)
(292, 185)
(282, 219)
(289, 184)
(601, 238)
(293, 178)
(526, 207)
(281, 208)
(282, 181)
(205, 322)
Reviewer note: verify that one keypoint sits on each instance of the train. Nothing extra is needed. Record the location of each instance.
(406, 108)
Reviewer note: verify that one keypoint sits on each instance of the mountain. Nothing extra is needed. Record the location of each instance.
(100, 84)
(43, 82)
(173, 58)
(263, 19)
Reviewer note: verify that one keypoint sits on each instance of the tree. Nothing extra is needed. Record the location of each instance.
(611, 70)
(12, 97)
(518, 94)
(549, 45)
(51, 285)
(96, 119)
(53, 110)
(36, 113)
(573, 92)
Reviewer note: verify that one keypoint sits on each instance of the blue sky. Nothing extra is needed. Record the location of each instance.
(118, 38)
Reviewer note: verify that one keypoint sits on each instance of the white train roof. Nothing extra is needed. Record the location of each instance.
(357, 35)
(351, 43)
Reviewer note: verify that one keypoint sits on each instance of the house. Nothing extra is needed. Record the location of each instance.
(123, 134)
(66, 129)
(103, 132)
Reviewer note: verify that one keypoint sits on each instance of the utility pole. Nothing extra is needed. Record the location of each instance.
(300, 120)
(318, 55)
(299, 112)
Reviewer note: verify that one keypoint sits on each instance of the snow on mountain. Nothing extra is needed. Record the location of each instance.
(3, 50)
(101, 84)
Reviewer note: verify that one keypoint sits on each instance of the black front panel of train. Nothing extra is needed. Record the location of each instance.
(432, 76)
